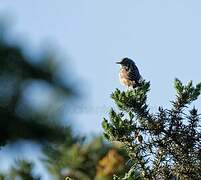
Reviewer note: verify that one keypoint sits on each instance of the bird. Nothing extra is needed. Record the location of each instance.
(129, 74)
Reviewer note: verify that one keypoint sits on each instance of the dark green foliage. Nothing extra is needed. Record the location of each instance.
(133, 100)
(163, 145)
(2, 177)
(22, 169)
(185, 94)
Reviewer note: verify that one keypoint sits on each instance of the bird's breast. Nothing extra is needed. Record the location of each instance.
(123, 77)
(123, 73)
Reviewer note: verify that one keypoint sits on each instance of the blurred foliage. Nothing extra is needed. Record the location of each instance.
(86, 161)
(76, 160)
(22, 169)
(109, 164)
(21, 117)
(18, 73)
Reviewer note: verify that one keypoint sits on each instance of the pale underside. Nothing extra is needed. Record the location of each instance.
(124, 79)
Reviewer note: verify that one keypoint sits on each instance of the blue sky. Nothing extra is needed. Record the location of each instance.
(163, 37)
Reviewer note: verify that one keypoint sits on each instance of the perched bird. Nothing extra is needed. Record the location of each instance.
(129, 74)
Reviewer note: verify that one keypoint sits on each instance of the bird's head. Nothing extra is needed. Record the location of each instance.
(126, 62)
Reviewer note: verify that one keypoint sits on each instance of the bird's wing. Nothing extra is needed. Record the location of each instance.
(133, 73)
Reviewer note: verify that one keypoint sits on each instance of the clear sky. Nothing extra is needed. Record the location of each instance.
(163, 37)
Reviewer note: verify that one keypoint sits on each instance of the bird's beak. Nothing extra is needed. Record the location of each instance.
(118, 62)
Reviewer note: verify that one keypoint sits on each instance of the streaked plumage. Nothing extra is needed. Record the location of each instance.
(129, 74)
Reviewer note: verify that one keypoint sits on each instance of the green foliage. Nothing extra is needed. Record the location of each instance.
(163, 145)
(185, 94)
(20, 170)
(133, 100)
(2, 177)
(81, 160)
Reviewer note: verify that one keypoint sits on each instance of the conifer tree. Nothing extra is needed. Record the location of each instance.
(161, 145)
